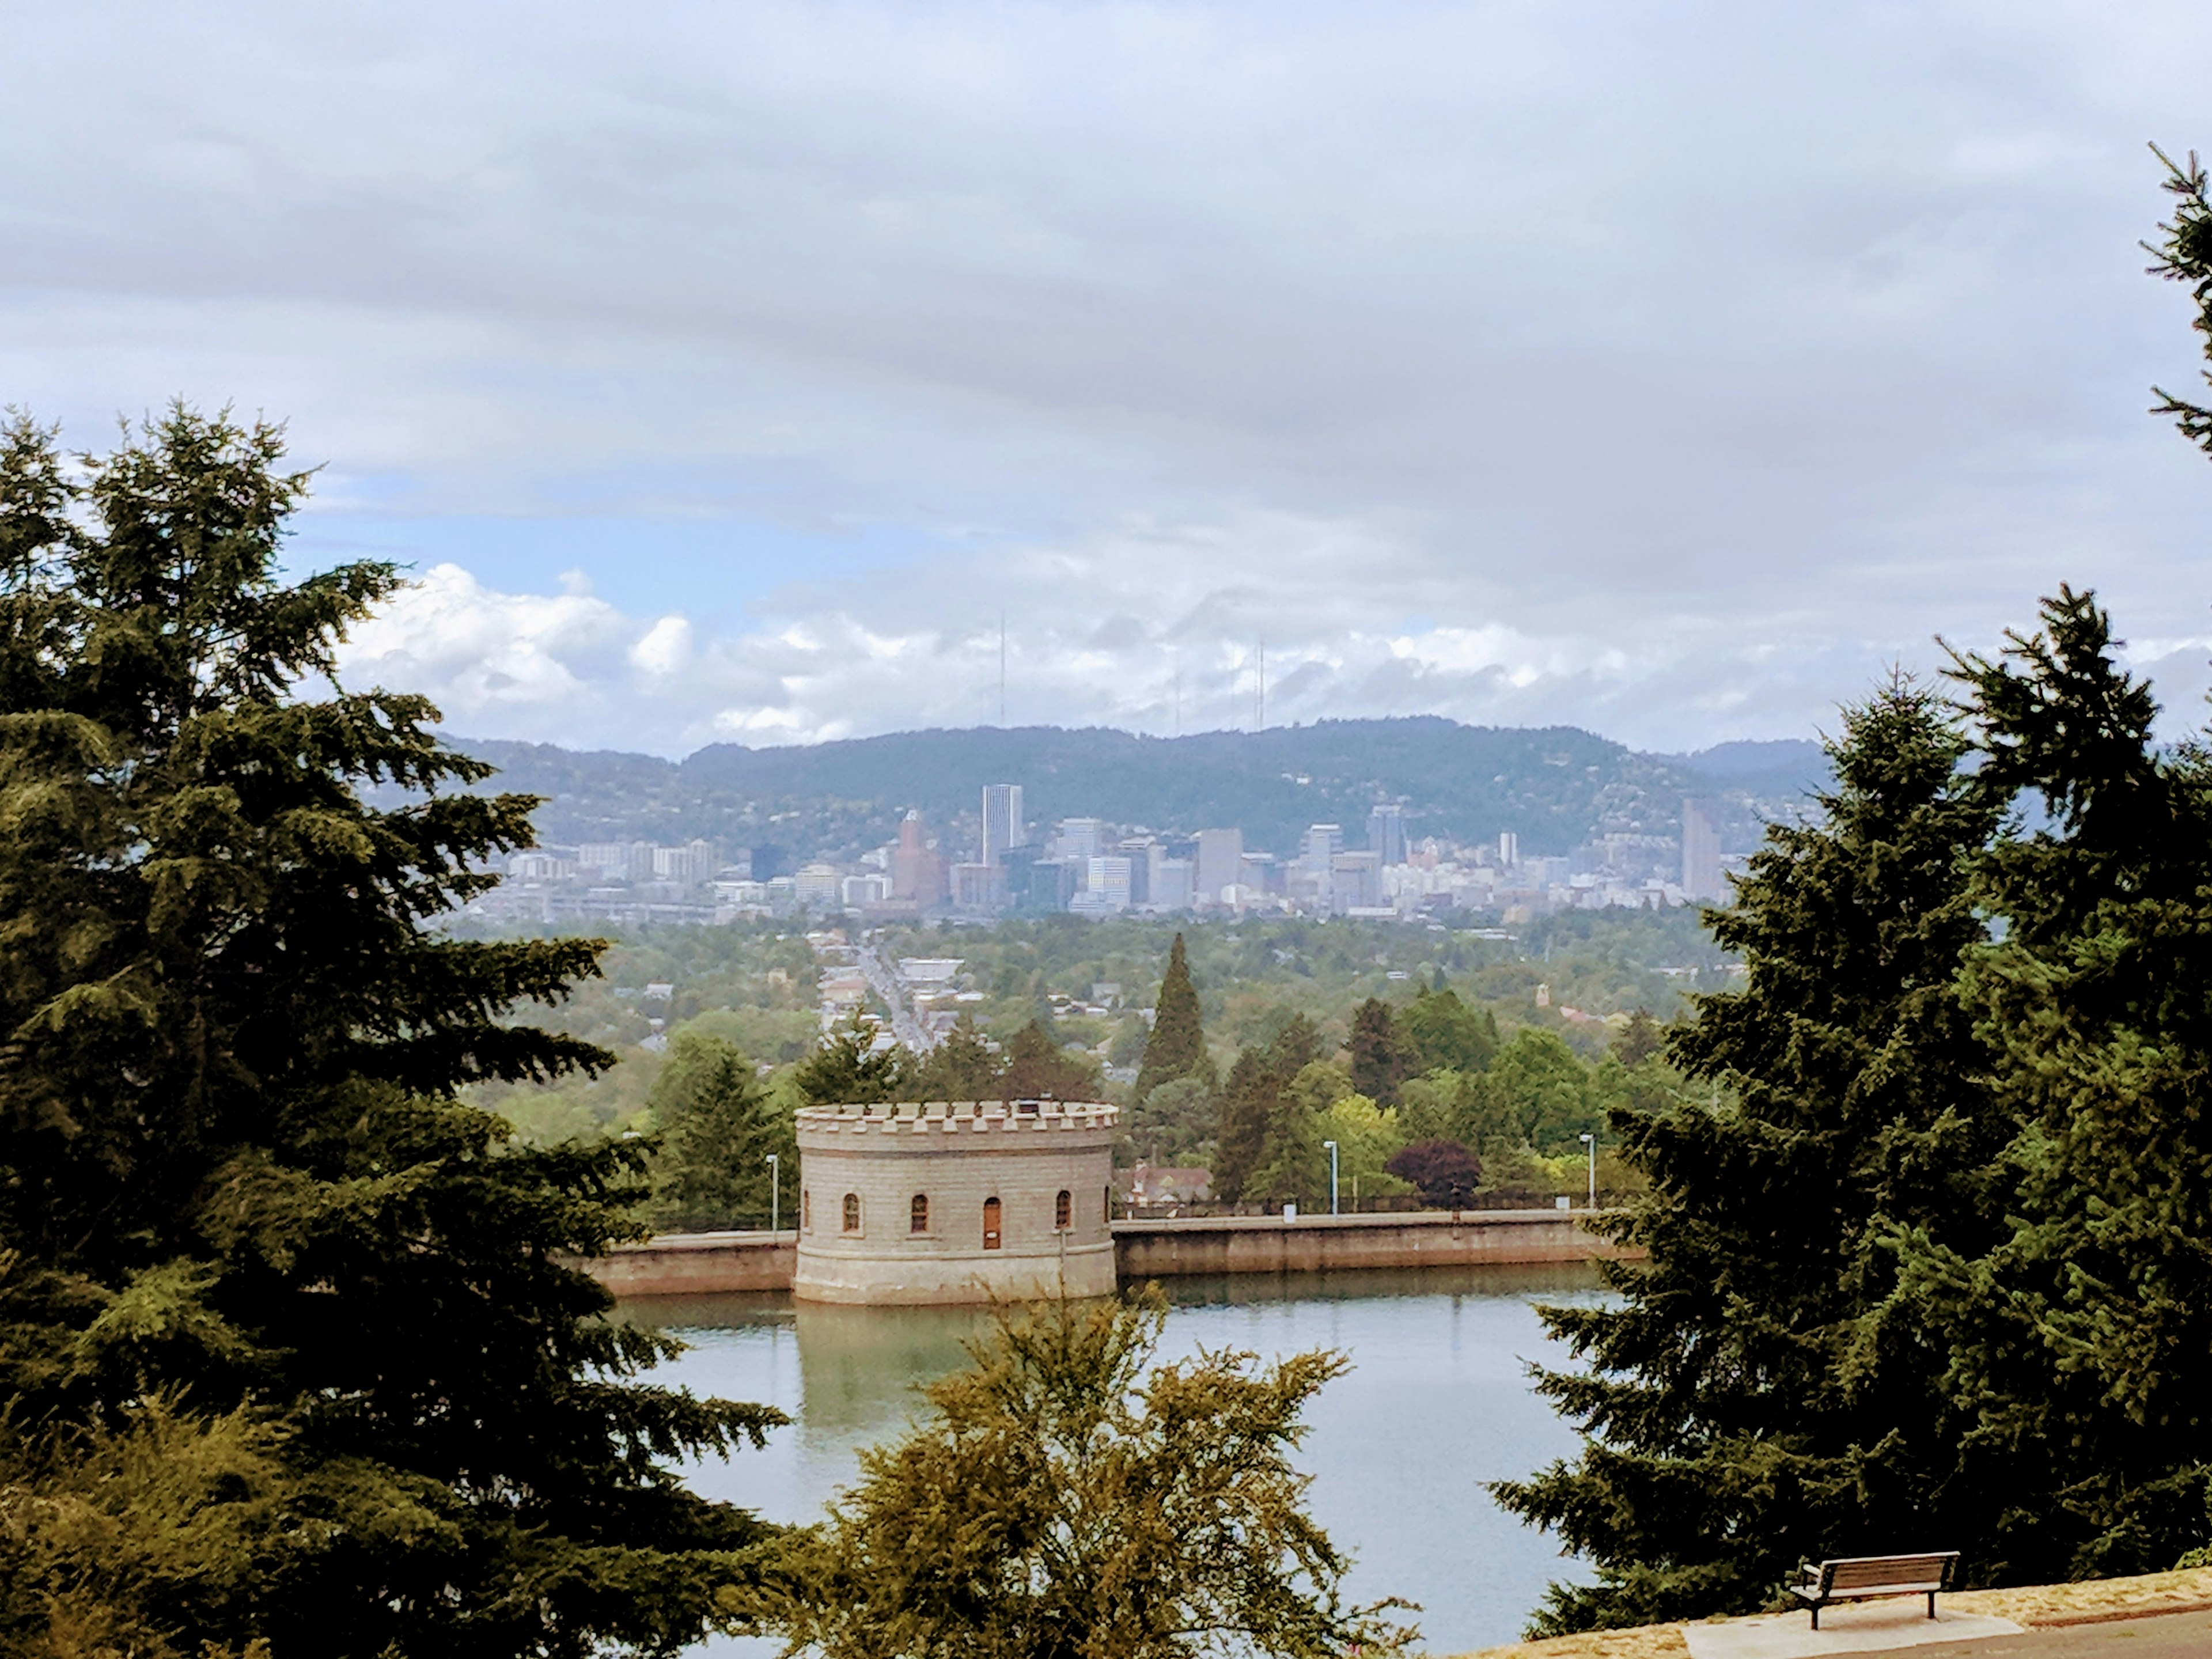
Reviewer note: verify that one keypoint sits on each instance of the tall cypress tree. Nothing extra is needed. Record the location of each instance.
(1751, 1401)
(1176, 1046)
(245, 1223)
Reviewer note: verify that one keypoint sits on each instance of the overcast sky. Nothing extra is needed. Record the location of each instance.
(728, 371)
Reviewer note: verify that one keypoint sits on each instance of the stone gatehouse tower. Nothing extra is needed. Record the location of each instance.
(958, 1201)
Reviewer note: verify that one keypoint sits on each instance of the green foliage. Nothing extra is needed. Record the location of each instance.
(848, 1069)
(1068, 1498)
(719, 1126)
(1757, 1397)
(2084, 1336)
(1382, 1058)
(962, 1067)
(1439, 1032)
(1176, 1046)
(1537, 1093)
(1176, 1123)
(260, 1270)
(1255, 1106)
(1038, 1068)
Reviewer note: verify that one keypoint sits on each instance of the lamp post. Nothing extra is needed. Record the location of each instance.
(1332, 1176)
(774, 1193)
(1590, 1141)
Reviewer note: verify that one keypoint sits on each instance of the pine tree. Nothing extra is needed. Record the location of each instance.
(718, 1127)
(1176, 1047)
(242, 1215)
(1381, 1059)
(1755, 1399)
(848, 1069)
(962, 1067)
(2085, 1335)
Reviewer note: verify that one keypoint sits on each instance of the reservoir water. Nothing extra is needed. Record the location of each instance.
(1438, 1403)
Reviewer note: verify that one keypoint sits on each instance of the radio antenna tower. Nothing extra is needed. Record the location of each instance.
(1002, 668)
(1260, 707)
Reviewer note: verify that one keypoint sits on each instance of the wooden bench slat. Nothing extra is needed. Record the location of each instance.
(1867, 1578)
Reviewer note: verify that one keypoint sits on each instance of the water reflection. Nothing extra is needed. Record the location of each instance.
(1438, 1403)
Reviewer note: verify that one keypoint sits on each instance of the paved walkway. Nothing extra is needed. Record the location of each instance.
(2163, 1636)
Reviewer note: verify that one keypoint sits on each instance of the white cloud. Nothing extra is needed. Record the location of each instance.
(729, 369)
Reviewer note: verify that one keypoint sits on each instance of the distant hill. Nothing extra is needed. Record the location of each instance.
(1554, 786)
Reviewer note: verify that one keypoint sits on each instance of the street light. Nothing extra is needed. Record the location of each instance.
(1590, 1141)
(774, 1193)
(1332, 1175)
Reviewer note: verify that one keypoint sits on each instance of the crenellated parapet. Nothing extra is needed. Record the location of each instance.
(961, 1117)
(961, 1200)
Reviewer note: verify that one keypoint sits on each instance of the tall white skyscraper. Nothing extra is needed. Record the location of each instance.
(1002, 821)
(1509, 849)
(1701, 851)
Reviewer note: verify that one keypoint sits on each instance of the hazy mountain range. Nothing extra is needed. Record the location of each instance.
(1555, 787)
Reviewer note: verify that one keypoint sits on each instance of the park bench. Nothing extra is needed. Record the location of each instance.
(1869, 1577)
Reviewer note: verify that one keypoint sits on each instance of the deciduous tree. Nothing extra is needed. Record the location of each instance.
(1069, 1498)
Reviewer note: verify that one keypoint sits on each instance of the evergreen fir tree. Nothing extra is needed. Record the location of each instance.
(1255, 1105)
(1176, 1047)
(719, 1126)
(848, 1069)
(243, 1217)
(962, 1067)
(2085, 1336)
(1381, 1059)
(1755, 1398)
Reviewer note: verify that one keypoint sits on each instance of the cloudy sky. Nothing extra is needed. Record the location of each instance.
(729, 371)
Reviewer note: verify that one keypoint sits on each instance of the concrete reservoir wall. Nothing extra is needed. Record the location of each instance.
(684, 1263)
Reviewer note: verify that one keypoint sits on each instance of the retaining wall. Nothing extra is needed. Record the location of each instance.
(683, 1263)
(679, 1264)
(1425, 1238)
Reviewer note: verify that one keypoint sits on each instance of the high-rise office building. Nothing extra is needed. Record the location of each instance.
(1170, 882)
(1509, 849)
(1386, 835)
(1220, 863)
(1355, 882)
(1108, 885)
(917, 872)
(1082, 839)
(1002, 821)
(1322, 842)
(1701, 850)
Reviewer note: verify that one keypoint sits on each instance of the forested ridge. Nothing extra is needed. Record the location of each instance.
(1555, 787)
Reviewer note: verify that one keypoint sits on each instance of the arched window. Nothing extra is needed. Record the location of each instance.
(918, 1214)
(807, 1208)
(1063, 1210)
(852, 1212)
(990, 1224)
